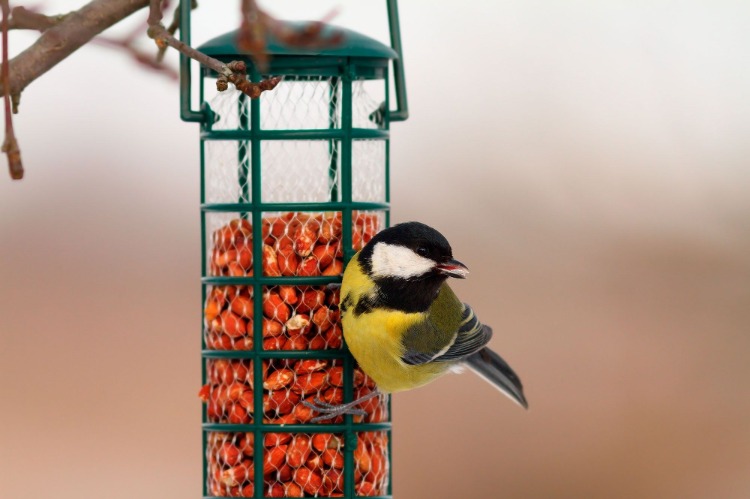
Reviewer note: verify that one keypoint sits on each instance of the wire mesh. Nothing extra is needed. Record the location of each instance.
(295, 464)
(300, 171)
(368, 170)
(302, 244)
(368, 97)
(302, 103)
(309, 103)
(225, 180)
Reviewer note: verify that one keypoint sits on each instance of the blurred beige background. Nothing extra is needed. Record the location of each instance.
(588, 161)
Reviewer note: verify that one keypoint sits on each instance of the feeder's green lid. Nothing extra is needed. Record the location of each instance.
(352, 44)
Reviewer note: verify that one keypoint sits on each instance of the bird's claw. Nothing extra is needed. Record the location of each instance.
(330, 411)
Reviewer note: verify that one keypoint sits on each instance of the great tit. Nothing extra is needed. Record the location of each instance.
(402, 322)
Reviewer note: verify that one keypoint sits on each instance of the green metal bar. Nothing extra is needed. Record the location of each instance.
(204, 415)
(272, 207)
(273, 354)
(291, 428)
(257, 283)
(202, 180)
(387, 124)
(319, 134)
(350, 435)
(270, 281)
(186, 113)
(402, 105)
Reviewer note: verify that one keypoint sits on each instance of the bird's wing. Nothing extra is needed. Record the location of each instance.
(471, 337)
(450, 332)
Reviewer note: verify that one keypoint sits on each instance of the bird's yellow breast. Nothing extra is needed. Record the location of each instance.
(375, 337)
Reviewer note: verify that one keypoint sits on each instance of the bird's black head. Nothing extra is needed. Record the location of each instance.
(409, 262)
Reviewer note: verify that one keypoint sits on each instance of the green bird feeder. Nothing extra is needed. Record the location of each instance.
(293, 184)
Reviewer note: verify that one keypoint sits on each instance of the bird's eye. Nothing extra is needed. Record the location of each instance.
(422, 251)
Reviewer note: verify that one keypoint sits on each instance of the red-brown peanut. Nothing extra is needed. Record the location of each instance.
(310, 300)
(324, 253)
(291, 489)
(311, 482)
(333, 481)
(288, 261)
(308, 267)
(232, 324)
(304, 239)
(296, 342)
(275, 308)
(242, 306)
(298, 451)
(270, 262)
(272, 328)
(312, 382)
(278, 379)
(288, 294)
(274, 457)
(272, 439)
(335, 268)
(280, 401)
(333, 458)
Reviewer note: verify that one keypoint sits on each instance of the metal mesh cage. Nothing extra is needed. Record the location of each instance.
(294, 184)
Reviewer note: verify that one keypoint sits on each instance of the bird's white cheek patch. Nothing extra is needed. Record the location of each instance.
(390, 260)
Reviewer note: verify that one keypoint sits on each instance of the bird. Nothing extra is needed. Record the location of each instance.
(405, 326)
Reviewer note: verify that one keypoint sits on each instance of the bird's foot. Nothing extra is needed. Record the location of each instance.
(330, 411)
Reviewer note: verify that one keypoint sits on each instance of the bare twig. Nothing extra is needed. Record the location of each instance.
(255, 23)
(59, 41)
(232, 73)
(309, 36)
(23, 18)
(145, 59)
(154, 12)
(173, 27)
(10, 145)
(242, 83)
(251, 37)
(129, 44)
(63, 34)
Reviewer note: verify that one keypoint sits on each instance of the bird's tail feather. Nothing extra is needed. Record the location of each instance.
(492, 368)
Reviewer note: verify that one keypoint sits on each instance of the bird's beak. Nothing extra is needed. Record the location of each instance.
(452, 268)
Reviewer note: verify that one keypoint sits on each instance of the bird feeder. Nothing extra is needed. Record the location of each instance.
(293, 184)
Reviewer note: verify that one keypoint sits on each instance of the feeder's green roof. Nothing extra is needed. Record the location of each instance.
(353, 44)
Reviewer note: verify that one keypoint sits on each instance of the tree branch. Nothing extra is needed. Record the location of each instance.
(61, 35)
(233, 72)
(65, 37)
(173, 27)
(10, 145)
(23, 18)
